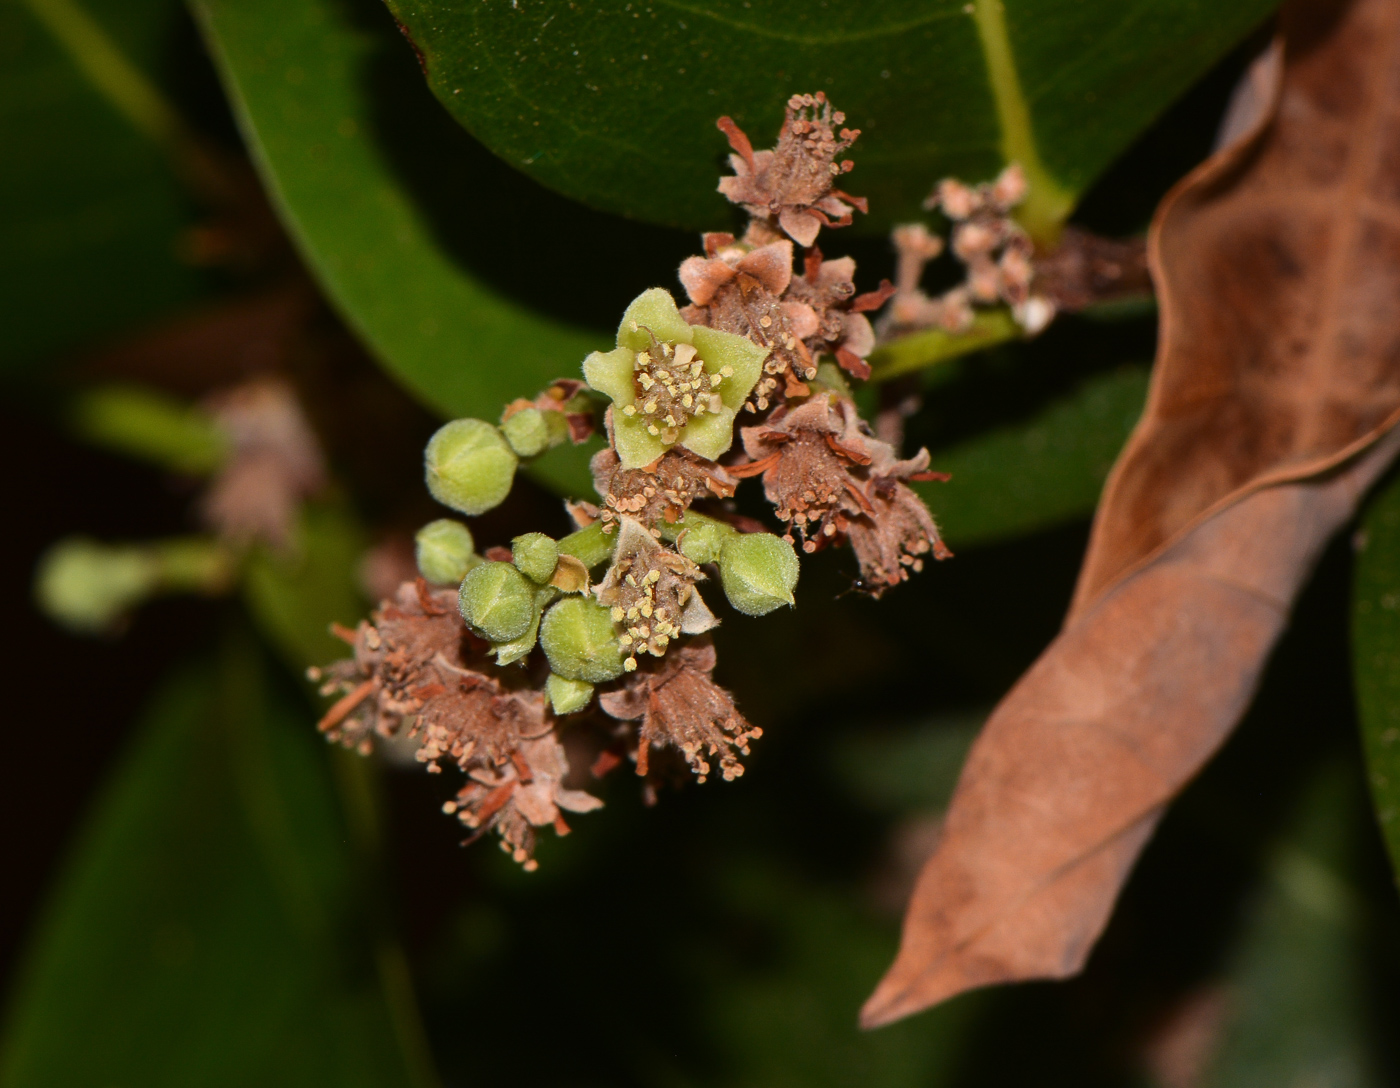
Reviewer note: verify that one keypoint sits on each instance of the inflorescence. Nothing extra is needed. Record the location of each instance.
(492, 663)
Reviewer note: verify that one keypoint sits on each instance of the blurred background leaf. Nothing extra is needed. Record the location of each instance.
(1375, 634)
(614, 103)
(1044, 472)
(93, 214)
(1292, 1005)
(299, 72)
(210, 928)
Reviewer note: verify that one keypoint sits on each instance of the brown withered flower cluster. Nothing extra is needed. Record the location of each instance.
(993, 248)
(789, 188)
(832, 481)
(748, 380)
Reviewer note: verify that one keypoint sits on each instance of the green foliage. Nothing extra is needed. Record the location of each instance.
(787, 1025)
(299, 75)
(151, 426)
(1294, 989)
(207, 928)
(92, 212)
(1375, 633)
(1041, 473)
(614, 103)
(295, 595)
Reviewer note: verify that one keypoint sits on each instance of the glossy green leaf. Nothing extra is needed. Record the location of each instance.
(1041, 473)
(204, 931)
(1375, 635)
(614, 102)
(299, 73)
(91, 213)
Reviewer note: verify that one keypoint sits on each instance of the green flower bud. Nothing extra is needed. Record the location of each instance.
(577, 636)
(758, 572)
(535, 555)
(497, 601)
(509, 652)
(531, 431)
(702, 541)
(445, 551)
(567, 696)
(526, 431)
(469, 466)
(87, 586)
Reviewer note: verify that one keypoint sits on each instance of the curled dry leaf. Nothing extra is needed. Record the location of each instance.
(1271, 411)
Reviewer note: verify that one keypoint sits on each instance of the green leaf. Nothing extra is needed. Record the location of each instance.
(614, 102)
(787, 1023)
(909, 767)
(1295, 991)
(295, 596)
(1375, 636)
(92, 212)
(204, 931)
(299, 74)
(1039, 474)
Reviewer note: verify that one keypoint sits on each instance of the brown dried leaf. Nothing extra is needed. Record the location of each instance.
(1271, 411)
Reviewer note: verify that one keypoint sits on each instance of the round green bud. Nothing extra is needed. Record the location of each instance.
(87, 586)
(577, 636)
(527, 431)
(469, 466)
(445, 551)
(758, 572)
(702, 543)
(567, 696)
(535, 555)
(497, 601)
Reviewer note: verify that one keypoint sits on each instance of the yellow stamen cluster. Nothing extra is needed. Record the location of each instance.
(673, 388)
(650, 625)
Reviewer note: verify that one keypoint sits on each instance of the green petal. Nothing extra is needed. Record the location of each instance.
(636, 446)
(656, 309)
(721, 349)
(711, 434)
(610, 372)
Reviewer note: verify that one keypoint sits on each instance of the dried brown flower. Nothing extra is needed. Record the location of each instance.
(661, 491)
(418, 672)
(792, 186)
(517, 796)
(828, 289)
(830, 479)
(651, 591)
(275, 462)
(740, 289)
(680, 706)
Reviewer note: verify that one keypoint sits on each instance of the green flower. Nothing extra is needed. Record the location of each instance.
(672, 383)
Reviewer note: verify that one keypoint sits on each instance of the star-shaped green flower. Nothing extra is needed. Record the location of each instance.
(672, 383)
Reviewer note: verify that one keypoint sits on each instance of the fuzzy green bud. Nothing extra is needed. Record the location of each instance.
(704, 541)
(89, 587)
(497, 601)
(531, 431)
(758, 572)
(445, 551)
(535, 555)
(469, 466)
(567, 696)
(577, 636)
